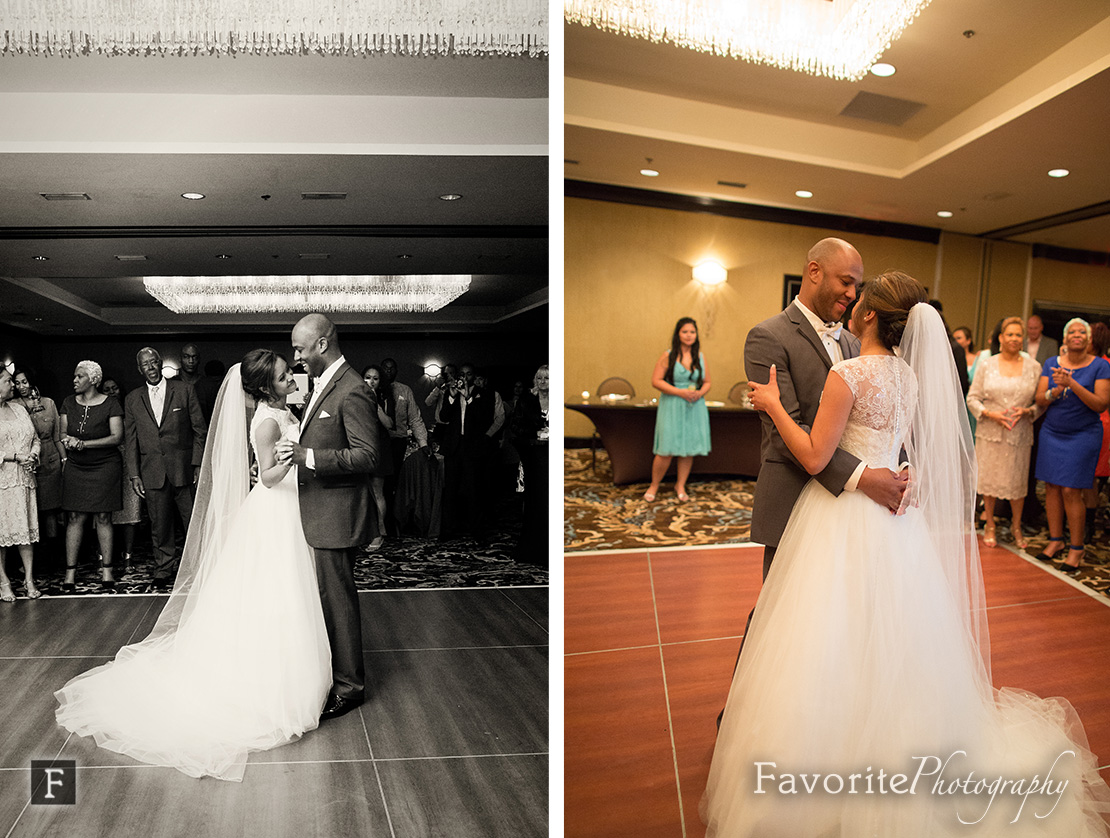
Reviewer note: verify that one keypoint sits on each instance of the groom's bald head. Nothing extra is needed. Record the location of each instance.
(315, 342)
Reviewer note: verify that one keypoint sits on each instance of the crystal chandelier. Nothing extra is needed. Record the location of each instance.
(238, 294)
(274, 27)
(840, 39)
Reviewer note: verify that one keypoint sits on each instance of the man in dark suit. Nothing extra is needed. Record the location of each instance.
(164, 435)
(339, 448)
(803, 342)
(468, 413)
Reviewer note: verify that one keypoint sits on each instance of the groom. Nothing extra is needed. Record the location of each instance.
(339, 447)
(803, 342)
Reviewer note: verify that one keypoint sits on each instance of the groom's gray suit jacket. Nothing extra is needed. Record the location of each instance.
(788, 341)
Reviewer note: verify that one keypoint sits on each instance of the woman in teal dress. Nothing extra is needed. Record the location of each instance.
(682, 420)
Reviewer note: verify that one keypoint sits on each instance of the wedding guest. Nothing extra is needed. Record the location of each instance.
(190, 365)
(48, 475)
(1039, 347)
(682, 420)
(1100, 348)
(165, 446)
(1002, 399)
(19, 456)
(1075, 389)
(467, 415)
(125, 519)
(374, 379)
(435, 398)
(963, 337)
(408, 431)
(530, 433)
(92, 429)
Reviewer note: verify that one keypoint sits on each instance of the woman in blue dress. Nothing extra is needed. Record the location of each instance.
(1075, 389)
(682, 420)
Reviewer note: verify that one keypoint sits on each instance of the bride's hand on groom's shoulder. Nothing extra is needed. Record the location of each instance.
(764, 396)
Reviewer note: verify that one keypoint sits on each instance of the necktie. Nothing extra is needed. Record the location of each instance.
(830, 330)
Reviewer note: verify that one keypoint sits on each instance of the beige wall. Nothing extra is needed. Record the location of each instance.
(627, 279)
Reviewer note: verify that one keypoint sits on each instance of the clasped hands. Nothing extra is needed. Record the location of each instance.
(287, 452)
(29, 461)
(1009, 417)
(1061, 377)
(72, 443)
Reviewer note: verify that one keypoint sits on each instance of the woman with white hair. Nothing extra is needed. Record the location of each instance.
(1075, 389)
(92, 429)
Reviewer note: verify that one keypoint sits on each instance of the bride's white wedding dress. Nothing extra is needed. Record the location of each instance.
(246, 666)
(862, 656)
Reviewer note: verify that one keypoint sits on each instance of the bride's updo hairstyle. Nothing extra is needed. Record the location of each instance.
(891, 295)
(257, 371)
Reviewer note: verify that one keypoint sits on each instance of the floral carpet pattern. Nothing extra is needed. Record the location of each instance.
(601, 516)
(401, 562)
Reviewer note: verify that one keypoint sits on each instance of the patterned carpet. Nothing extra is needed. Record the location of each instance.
(402, 562)
(601, 516)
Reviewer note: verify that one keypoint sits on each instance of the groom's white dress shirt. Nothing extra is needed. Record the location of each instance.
(318, 387)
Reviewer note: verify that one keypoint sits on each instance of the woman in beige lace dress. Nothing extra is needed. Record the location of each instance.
(1001, 398)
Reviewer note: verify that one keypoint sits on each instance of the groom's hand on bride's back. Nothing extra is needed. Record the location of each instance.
(885, 487)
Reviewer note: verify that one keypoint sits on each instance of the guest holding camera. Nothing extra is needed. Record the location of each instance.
(1075, 389)
(19, 452)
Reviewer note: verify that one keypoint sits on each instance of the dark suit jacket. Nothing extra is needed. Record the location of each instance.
(168, 452)
(342, 430)
(802, 364)
(479, 417)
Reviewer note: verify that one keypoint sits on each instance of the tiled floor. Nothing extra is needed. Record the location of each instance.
(453, 739)
(651, 640)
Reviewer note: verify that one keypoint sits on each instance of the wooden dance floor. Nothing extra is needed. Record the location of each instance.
(452, 741)
(651, 638)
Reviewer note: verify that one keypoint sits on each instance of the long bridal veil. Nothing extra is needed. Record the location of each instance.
(222, 486)
(941, 450)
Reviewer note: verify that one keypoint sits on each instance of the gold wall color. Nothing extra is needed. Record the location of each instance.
(627, 280)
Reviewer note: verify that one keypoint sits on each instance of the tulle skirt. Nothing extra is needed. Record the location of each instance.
(857, 663)
(248, 668)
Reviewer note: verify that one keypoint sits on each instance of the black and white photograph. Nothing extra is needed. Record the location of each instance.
(275, 305)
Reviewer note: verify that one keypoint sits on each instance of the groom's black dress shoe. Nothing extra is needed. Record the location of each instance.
(335, 707)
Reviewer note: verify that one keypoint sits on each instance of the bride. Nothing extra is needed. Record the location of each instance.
(862, 704)
(239, 658)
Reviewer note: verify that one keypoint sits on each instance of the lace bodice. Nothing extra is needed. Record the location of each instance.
(286, 421)
(886, 395)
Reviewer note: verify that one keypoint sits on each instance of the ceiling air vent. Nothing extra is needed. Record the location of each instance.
(324, 196)
(131, 258)
(883, 109)
(66, 196)
(319, 257)
(732, 183)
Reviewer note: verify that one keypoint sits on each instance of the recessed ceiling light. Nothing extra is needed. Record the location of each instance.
(944, 214)
(192, 196)
(804, 193)
(883, 70)
(649, 172)
(222, 256)
(450, 196)
(42, 258)
(1058, 173)
(404, 255)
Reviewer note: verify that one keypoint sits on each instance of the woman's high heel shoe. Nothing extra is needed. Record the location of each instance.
(32, 591)
(70, 587)
(1043, 556)
(1072, 569)
(105, 570)
(989, 538)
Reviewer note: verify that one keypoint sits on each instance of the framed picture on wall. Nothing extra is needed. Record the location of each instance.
(791, 285)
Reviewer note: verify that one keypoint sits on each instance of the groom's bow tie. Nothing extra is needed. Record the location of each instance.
(831, 330)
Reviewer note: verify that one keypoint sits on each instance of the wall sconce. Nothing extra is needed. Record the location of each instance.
(710, 273)
(432, 369)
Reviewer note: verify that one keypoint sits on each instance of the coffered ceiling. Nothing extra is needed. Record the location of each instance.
(308, 165)
(997, 93)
